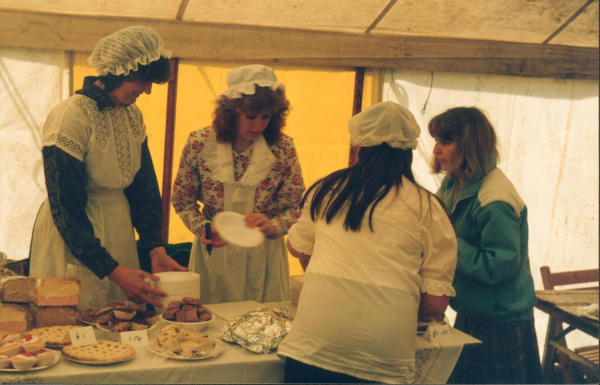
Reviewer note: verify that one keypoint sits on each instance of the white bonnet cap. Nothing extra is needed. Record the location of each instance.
(385, 122)
(242, 80)
(122, 52)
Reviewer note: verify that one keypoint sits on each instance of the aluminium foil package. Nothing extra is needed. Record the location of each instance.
(260, 330)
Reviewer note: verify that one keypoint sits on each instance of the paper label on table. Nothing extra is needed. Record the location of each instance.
(438, 333)
(136, 339)
(82, 336)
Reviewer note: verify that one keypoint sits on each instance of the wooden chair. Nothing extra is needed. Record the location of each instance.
(572, 371)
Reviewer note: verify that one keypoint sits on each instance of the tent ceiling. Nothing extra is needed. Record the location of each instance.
(524, 37)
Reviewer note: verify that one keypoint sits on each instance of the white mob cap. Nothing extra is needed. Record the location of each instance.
(243, 80)
(385, 122)
(122, 51)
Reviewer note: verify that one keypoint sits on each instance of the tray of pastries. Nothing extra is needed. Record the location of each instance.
(25, 352)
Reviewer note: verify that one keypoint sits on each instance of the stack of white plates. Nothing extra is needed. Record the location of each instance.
(177, 284)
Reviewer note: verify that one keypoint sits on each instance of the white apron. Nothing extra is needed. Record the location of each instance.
(109, 145)
(233, 273)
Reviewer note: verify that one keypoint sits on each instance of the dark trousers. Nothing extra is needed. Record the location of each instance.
(297, 372)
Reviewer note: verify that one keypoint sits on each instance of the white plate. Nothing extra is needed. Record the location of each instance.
(56, 358)
(216, 351)
(233, 229)
(98, 363)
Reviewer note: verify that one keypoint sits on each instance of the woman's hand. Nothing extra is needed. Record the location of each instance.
(215, 239)
(132, 283)
(161, 261)
(432, 305)
(262, 222)
(303, 258)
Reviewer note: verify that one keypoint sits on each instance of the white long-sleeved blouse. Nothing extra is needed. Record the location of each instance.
(358, 308)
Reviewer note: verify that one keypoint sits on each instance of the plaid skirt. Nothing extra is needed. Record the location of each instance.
(508, 353)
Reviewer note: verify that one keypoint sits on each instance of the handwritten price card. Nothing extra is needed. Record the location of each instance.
(437, 333)
(82, 336)
(137, 339)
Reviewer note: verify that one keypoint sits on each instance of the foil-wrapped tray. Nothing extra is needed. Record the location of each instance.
(260, 330)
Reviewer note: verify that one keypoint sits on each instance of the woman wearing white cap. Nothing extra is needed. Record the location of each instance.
(380, 250)
(100, 178)
(242, 163)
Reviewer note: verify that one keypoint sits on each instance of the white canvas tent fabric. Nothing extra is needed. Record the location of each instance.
(31, 83)
(548, 136)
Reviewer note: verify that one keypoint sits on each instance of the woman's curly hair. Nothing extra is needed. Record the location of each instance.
(264, 99)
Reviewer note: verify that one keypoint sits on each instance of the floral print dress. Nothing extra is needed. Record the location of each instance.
(264, 179)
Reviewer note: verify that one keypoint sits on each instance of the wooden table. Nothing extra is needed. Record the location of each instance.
(563, 306)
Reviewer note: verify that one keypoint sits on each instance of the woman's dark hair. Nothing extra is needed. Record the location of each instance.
(158, 71)
(264, 99)
(475, 140)
(366, 183)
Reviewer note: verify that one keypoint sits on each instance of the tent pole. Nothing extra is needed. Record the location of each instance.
(359, 81)
(169, 139)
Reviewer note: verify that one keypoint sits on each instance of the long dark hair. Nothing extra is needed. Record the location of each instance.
(378, 170)
(158, 71)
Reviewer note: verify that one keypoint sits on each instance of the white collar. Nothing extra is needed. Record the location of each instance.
(261, 163)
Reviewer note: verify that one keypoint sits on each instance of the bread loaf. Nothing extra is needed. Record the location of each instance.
(17, 289)
(47, 316)
(13, 317)
(57, 291)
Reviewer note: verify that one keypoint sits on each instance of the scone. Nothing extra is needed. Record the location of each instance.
(197, 347)
(168, 343)
(177, 332)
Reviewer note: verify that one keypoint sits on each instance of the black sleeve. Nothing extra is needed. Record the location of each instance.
(146, 205)
(65, 182)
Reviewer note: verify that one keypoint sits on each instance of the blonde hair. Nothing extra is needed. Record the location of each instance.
(475, 139)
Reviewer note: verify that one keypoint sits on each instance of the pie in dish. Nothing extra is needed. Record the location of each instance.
(101, 351)
(54, 335)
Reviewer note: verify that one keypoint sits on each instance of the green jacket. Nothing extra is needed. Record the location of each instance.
(493, 279)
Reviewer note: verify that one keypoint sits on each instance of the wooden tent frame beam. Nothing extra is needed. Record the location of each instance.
(215, 42)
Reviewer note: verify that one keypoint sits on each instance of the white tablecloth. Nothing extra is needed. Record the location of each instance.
(434, 361)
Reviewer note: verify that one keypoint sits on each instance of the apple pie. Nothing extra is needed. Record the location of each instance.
(101, 351)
